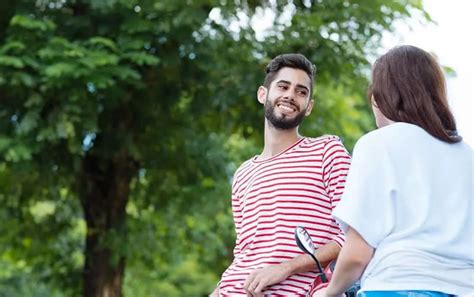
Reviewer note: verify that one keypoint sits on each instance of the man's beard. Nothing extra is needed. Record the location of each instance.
(282, 122)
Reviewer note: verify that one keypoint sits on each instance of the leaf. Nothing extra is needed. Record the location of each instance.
(449, 71)
(141, 58)
(29, 23)
(101, 81)
(18, 153)
(25, 79)
(59, 69)
(28, 122)
(123, 72)
(75, 53)
(128, 43)
(42, 209)
(65, 129)
(99, 58)
(48, 53)
(12, 46)
(11, 62)
(5, 142)
(105, 42)
(34, 100)
(31, 62)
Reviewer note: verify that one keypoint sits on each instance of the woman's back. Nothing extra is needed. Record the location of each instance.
(418, 214)
(434, 190)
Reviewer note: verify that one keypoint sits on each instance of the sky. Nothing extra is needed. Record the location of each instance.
(451, 39)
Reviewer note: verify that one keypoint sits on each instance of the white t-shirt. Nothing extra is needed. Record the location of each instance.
(411, 196)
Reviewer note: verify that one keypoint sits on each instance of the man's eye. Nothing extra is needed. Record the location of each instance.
(283, 87)
(303, 93)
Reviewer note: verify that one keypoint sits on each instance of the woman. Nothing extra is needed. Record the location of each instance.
(407, 207)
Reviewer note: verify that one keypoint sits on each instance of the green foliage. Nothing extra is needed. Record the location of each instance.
(175, 89)
(181, 279)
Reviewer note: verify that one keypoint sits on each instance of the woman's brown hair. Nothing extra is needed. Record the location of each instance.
(408, 86)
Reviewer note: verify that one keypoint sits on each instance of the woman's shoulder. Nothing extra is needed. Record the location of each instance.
(393, 133)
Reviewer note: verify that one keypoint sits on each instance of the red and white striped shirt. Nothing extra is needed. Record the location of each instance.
(298, 187)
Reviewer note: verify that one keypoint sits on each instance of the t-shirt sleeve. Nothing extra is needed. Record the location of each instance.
(336, 162)
(367, 203)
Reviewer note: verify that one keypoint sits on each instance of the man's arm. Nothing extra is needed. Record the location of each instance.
(324, 254)
(354, 257)
(259, 279)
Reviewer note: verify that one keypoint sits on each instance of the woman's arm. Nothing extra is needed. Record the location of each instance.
(353, 258)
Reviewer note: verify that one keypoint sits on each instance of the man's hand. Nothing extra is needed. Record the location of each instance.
(261, 278)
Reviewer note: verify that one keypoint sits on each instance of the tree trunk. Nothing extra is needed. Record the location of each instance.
(104, 190)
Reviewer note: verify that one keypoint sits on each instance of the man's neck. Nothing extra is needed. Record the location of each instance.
(277, 140)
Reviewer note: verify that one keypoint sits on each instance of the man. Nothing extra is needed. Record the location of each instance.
(295, 181)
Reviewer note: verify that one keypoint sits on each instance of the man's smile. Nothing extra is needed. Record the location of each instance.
(286, 107)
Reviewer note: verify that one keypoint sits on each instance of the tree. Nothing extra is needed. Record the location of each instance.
(111, 99)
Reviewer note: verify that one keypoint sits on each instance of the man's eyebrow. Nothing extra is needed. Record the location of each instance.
(289, 83)
(284, 81)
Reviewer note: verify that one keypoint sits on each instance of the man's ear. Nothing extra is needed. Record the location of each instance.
(310, 107)
(262, 94)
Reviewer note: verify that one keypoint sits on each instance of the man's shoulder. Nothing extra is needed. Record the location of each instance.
(246, 164)
(324, 140)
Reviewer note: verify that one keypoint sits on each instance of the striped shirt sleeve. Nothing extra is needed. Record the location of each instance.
(336, 162)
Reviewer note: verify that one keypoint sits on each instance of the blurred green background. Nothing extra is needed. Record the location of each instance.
(122, 122)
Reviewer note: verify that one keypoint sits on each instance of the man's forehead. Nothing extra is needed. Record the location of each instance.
(294, 76)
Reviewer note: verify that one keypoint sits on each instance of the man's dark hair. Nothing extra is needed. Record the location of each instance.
(296, 61)
(408, 86)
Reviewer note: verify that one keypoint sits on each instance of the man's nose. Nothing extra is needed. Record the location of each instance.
(290, 94)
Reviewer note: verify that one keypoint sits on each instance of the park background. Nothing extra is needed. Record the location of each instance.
(122, 122)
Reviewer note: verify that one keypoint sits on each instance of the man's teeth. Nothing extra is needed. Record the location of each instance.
(285, 107)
